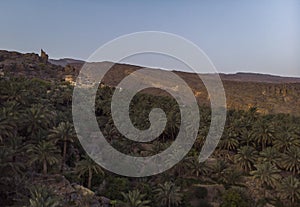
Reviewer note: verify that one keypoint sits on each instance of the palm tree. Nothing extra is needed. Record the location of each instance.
(13, 91)
(37, 118)
(168, 194)
(286, 141)
(269, 154)
(180, 167)
(88, 166)
(290, 189)
(45, 153)
(290, 160)
(232, 177)
(246, 137)
(9, 166)
(7, 126)
(42, 197)
(229, 142)
(252, 113)
(263, 133)
(246, 157)
(197, 168)
(12, 109)
(266, 174)
(63, 133)
(61, 95)
(134, 199)
(219, 169)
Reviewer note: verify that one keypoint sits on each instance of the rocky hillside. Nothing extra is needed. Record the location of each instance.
(270, 94)
(30, 65)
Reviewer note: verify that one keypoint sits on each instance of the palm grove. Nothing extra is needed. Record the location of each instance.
(257, 161)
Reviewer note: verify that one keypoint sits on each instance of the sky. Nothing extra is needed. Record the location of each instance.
(261, 36)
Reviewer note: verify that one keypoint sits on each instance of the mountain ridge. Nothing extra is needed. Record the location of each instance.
(238, 76)
(270, 94)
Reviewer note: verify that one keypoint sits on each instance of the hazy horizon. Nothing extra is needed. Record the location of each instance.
(238, 36)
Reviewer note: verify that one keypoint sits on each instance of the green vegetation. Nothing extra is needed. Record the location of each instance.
(233, 198)
(42, 197)
(258, 154)
(134, 199)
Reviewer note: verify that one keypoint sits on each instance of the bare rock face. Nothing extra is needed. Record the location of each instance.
(71, 194)
(44, 56)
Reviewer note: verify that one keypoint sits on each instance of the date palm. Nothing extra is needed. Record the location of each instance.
(232, 177)
(290, 160)
(134, 199)
(180, 167)
(246, 157)
(60, 96)
(12, 109)
(286, 141)
(229, 142)
(168, 194)
(266, 174)
(63, 133)
(246, 138)
(9, 166)
(87, 166)
(270, 154)
(13, 91)
(41, 196)
(7, 126)
(290, 189)
(263, 133)
(45, 153)
(15, 145)
(219, 169)
(197, 168)
(36, 119)
(252, 114)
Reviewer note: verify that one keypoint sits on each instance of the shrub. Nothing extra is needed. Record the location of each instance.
(232, 198)
(116, 185)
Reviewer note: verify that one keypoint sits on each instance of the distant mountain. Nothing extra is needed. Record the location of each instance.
(240, 76)
(65, 61)
(257, 77)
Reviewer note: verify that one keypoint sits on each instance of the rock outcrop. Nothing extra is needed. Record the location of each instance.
(44, 56)
(70, 194)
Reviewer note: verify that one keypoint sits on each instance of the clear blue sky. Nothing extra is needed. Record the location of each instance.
(238, 35)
